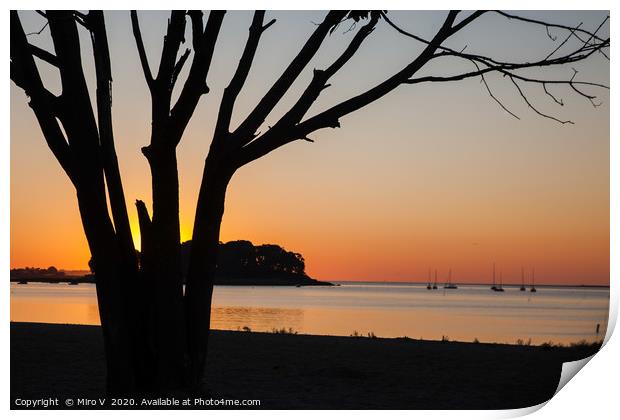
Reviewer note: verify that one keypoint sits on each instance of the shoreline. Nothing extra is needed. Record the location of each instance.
(69, 279)
(360, 335)
(310, 372)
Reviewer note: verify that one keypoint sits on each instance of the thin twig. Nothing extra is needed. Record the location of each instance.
(39, 31)
(483, 80)
(572, 32)
(556, 100)
(534, 108)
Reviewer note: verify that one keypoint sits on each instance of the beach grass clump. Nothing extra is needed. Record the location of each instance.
(583, 344)
(370, 334)
(547, 345)
(521, 342)
(445, 338)
(284, 331)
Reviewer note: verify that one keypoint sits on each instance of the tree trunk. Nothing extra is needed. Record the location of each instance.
(203, 259)
(114, 285)
(161, 274)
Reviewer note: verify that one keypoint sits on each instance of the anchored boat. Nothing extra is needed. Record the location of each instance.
(449, 284)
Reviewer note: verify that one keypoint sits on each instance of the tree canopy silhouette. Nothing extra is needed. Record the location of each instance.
(155, 332)
(241, 262)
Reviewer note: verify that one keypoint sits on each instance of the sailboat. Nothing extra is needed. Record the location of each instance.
(428, 286)
(494, 287)
(522, 281)
(449, 284)
(435, 284)
(533, 289)
(500, 288)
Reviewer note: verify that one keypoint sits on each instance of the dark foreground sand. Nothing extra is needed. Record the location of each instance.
(310, 372)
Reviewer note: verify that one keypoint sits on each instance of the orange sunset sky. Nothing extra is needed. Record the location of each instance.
(431, 176)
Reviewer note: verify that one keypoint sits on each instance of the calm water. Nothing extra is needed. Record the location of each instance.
(560, 315)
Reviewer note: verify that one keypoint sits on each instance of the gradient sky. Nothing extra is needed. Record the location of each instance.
(431, 176)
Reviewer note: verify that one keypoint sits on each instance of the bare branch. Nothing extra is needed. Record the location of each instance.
(469, 19)
(271, 140)
(534, 108)
(556, 100)
(577, 55)
(283, 133)
(570, 82)
(103, 72)
(403, 32)
(179, 66)
(507, 68)
(197, 28)
(547, 25)
(320, 77)
(505, 72)
(146, 231)
(195, 85)
(572, 32)
(81, 15)
(241, 73)
(268, 24)
(317, 85)
(25, 74)
(594, 34)
(144, 220)
(39, 31)
(141, 52)
(82, 19)
(172, 41)
(249, 126)
(479, 72)
(483, 80)
(44, 55)
(330, 117)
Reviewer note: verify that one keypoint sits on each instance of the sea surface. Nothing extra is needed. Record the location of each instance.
(554, 314)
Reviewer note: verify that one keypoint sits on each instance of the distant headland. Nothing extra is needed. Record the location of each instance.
(240, 263)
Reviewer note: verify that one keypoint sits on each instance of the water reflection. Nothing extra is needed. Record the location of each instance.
(257, 319)
(561, 315)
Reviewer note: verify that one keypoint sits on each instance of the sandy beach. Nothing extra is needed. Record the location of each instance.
(289, 371)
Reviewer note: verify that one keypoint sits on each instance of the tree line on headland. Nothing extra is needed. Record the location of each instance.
(241, 262)
(238, 263)
(34, 272)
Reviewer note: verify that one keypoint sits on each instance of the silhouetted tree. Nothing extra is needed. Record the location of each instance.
(243, 260)
(156, 334)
